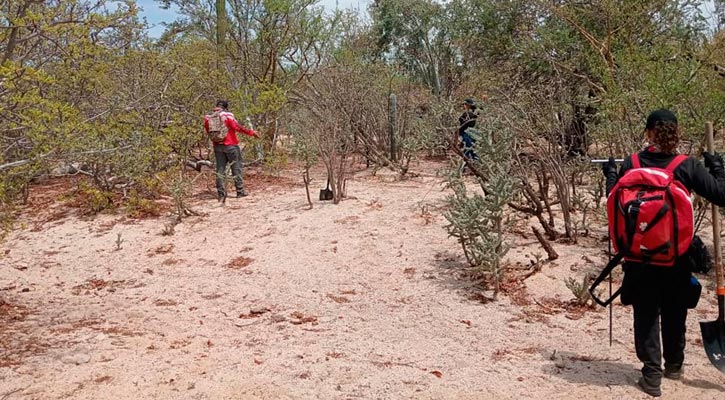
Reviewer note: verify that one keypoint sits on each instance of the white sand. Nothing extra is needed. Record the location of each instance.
(358, 300)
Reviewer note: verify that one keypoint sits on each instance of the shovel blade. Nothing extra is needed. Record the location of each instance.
(713, 338)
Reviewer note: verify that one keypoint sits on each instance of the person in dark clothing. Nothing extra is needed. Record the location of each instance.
(658, 294)
(227, 151)
(465, 121)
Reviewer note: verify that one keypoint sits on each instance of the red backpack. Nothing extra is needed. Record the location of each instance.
(650, 214)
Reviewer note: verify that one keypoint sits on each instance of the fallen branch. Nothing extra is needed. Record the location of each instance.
(14, 164)
(197, 164)
(20, 163)
(534, 269)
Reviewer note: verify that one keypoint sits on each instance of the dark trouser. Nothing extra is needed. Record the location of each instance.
(468, 144)
(228, 155)
(657, 299)
(647, 318)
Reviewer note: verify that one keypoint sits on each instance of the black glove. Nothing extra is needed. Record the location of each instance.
(697, 258)
(714, 163)
(609, 168)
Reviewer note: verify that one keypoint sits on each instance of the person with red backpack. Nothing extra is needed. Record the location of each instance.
(222, 129)
(651, 227)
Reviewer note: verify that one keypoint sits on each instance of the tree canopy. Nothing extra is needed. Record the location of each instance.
(82, 82)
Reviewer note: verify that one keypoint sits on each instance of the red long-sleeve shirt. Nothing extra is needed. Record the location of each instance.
(232, 126)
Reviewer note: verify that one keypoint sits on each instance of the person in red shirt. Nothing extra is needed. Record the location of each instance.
(228, 151)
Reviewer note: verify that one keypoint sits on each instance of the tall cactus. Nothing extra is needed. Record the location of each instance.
(221, 28)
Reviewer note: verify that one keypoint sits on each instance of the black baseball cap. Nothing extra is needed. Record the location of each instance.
(222, 103)
(661, 115)
(470, 102)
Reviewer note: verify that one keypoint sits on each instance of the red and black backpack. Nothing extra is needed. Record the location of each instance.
(650, 218)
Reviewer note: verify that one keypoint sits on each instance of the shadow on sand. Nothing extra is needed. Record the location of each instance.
(582, 369)
(588, 370)
(703, 384)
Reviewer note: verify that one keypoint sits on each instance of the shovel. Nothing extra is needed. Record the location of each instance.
(713, 332)
(326, 193)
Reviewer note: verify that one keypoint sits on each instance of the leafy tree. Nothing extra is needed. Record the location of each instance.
(42, 106)
(414, 33)
(270, 46)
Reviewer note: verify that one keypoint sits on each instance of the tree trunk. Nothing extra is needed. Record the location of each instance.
(13, 38)
(552, 254)
(393, 125)
(338, 188)
(306, 179)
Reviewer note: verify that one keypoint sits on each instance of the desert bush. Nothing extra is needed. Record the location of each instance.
(276, 162)
(580, 290)
(304, 151)
(357, 96)
(92, 199)
(478, 220)
(324, 122)
(180, 185)
(138, 206)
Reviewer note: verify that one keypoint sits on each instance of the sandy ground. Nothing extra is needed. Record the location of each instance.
(263, 299)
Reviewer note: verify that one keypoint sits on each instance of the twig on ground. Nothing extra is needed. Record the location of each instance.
(8, 394)
(543, 306)
(249, 323)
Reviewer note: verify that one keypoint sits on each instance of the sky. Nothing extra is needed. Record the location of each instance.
(155, 15)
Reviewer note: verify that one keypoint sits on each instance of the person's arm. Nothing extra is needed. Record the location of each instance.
(461, 124)
(611, 174)
(206, 123)
(247, 131)
(234, 125)
(709, 184)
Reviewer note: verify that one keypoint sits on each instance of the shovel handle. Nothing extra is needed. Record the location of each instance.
(715, 222)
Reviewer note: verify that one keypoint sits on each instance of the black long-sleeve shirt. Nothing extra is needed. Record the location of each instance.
(691, 172)
(466, 120)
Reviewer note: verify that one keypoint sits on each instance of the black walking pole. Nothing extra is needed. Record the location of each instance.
(611, 312)
(609, 259)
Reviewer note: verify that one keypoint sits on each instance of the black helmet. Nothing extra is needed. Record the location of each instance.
(223, 104)
(469, 101)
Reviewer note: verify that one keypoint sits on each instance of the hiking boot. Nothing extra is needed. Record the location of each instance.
(241, 194)
(221, 198)
(651, 390)
(675, 374)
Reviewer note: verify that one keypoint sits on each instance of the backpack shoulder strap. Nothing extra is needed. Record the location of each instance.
(676, 162)
(635, 160)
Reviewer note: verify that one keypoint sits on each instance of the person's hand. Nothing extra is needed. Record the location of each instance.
(609, 168)
(256, 134)
(714, 162)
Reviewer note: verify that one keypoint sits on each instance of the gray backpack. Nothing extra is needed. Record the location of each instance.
(217, 130)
